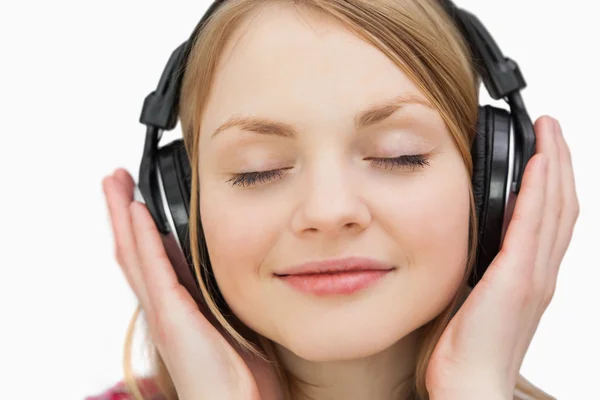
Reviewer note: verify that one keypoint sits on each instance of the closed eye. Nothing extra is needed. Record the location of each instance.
(248, 179)
(414, 161)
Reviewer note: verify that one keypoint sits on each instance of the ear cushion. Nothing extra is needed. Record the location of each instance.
(175, 166)
(480, 153)
(490, 154)
(176, 176)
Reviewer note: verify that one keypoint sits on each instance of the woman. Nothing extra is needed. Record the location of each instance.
(319, 138)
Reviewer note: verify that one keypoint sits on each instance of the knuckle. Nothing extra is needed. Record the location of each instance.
(576, 210)
(523, 290)
(572, 215)
(522, 297)
(548, 296)
(539, 291)
(546, 292)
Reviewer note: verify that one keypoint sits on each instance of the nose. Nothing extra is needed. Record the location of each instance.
(331, 204)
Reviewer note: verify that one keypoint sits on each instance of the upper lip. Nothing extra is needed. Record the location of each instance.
(336, 265)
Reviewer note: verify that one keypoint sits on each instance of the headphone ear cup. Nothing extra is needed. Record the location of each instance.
(490, 155)
(176, 174)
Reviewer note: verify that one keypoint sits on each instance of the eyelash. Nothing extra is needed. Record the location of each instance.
(248, 179)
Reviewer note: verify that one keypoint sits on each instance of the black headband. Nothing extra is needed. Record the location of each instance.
(501, 76)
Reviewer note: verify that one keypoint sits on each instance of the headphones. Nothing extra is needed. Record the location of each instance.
(164, 179)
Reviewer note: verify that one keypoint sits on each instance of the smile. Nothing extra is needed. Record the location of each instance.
(334, 283)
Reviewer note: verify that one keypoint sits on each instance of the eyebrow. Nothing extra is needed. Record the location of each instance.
(373, 114)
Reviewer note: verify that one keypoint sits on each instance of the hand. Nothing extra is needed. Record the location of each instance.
(201, 362)
(479, 354)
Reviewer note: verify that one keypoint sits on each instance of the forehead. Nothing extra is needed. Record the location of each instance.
(290, 62)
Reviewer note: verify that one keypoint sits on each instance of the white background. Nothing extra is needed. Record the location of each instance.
(73, 75)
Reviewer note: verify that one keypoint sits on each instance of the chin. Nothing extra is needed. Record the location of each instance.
(336, 350)
(325, 342)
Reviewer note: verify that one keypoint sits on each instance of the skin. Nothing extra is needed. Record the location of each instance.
(332, 202)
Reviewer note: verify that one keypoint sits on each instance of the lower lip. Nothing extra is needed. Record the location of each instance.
(334, 283)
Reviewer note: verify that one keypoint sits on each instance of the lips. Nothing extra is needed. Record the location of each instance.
(335, 277)
(337, 265)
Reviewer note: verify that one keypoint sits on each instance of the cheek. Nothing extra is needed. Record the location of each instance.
(431, 226)
(441, 223)
(239, 235)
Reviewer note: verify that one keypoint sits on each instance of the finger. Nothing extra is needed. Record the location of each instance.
(126, 182)
(546, 143)
(171, 303)
(570, 203)
(517, 256)
(114, 202)
(118, 200)
(512, 269)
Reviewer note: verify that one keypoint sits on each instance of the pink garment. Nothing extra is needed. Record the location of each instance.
(119, 391)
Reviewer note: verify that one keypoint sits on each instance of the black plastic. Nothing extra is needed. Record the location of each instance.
(148, 180)
(524, 138)
(501, 75)
(177, 190)
(161, 107)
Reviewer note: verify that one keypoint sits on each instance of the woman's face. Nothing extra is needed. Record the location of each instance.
(314, 93)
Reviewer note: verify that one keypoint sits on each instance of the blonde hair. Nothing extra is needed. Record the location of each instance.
(423, 41)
